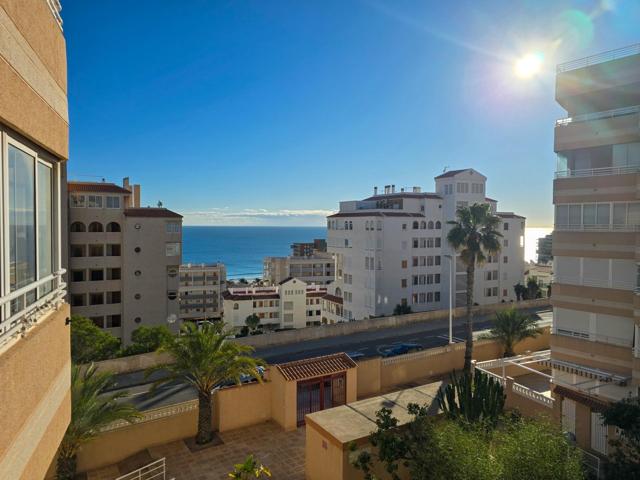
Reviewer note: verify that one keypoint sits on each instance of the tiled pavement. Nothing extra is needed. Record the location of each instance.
(282, 452)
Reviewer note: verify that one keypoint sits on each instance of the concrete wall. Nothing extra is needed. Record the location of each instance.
(369, 377)
(134, 363)
(242, 406)
(35, 397)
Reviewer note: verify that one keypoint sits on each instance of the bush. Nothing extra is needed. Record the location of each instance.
(89, 343)
(147, 339)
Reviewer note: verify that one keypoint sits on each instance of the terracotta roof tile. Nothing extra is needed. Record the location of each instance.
(333, 298)
(316, 367)
(98, 187)
(151, 212)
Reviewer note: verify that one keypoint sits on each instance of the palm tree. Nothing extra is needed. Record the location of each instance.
(474, 235)
(204, 358)
(510, 327)
(91, 410)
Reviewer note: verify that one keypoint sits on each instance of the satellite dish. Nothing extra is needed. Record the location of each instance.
(171, 319)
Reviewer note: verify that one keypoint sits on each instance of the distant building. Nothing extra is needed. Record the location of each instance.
(300, 249)
(545, 255)
(291, 304)
(114, 243)
(318, 269)
(391, 249)
(201, 288)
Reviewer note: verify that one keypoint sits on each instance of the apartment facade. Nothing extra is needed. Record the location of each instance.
(123, 259)
(201, 288)
(291, 304)
(317, 268)
(595, 352)
(306, 249)
(34, 335)
(391, 249)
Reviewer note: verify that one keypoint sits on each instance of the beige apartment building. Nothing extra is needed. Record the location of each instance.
(124, 259)
(35, 399)
(317, 268)
(201, 288)
(595, 346)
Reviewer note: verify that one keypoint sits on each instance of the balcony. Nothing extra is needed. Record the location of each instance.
(597, 172)
(587, 117)
(599, 58)
(597, 228)
(22, 308)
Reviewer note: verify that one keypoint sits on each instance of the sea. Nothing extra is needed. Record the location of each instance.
(242, 249)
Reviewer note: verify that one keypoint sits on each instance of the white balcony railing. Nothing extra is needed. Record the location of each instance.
(152, 471)
(532, 395)
(55, 7)
(587, 117)
(597, 228)
(592, 464)
(599, 58)
(27, 310)
(594, 337)
(598, 172)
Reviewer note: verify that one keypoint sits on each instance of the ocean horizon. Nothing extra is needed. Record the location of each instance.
(243, 248)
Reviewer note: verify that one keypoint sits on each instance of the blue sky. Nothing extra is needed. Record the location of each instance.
(269, 112)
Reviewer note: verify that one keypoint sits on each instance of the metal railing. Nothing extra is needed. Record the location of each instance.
(152, 471)
(597, 228)
(34, 303)
(532, 395)
(592, 463)
(599, 58)
(619, 341)
(155, 414)
(587, 117)
(617, 283)
(55, 7)
(597, 172)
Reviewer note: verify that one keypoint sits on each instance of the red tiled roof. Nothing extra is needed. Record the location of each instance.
(375, 214)
(316, 367)
(227, 295)
(319, 293)
(98, 187)
(151, 212)
(333, 298)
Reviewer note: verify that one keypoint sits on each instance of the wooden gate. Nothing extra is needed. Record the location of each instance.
(319, 394)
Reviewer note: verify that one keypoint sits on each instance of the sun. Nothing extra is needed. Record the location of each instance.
(528, 65)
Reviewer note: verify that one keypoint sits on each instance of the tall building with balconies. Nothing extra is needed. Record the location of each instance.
(595, 351)
(391, 249)
(35, 398)
(201, 288)
(317, 268)
(123, 259)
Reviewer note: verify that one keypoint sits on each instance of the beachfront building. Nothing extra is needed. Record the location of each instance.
(544, 249)
(316, 269)
(391, 249)
(34, 333)
(123, 258)
(291, 304)
(306, 249)
(201, 287)
(595, 346)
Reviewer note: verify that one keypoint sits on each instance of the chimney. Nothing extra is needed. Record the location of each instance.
(386, 189)
(417, 189)
(136, 196)
(125, 183)
(375, 190)
(402, 190)
(393, 189)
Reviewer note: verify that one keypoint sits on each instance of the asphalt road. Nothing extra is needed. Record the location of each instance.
(370, 343)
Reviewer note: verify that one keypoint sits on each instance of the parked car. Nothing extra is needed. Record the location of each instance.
(355, 355)
(401, 349)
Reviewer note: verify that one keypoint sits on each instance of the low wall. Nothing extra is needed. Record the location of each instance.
(369, 377)
(133, 363)
(242, 406)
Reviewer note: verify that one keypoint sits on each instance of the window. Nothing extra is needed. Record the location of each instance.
(505, 259)
(97, 321)
(436, 296)
(288, 305)
(403, 283)
(172, 249)
(415, 261)
(438, 225)
(77, 299)
(506, 226)
(404, 264)
(461, 204)
(415, 243)
(505, 243)
(96, 250)
(436, 278)
(113, 274)
(113, 297)
(113, 202)
(404, 226)
(430, 242)
(113, 227)
(77, 227)
(416, 225)
(113, 321)
(77, 201)
(94, 201)
(96, 275)
(477, 188)
(95, 227)
(96, 298)
(77, 275)
(437, 259)
(462, 187)
(448, 189)
(113, 250)
(77, 250)
(423, 225)
(430, 225)
(172, 227)
(429, 297)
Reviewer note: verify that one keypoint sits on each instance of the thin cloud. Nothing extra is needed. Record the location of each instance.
(255, 216)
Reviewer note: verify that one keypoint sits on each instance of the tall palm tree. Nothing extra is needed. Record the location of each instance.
(474, 235)
(510, 327)
(91, 410)
(204, 358)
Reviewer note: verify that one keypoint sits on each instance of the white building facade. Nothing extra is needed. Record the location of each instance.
(391, 249)
(201, 288)
(317, 269)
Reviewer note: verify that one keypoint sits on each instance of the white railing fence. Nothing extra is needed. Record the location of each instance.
(592, 464)
(22, 308)
(532, 395)
(597, 228)
(597, 172)
(599, 58)
(152, 471)
(586, 117)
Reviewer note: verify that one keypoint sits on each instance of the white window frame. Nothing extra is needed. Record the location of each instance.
(117, 197)
(95, 198)
(77, 196)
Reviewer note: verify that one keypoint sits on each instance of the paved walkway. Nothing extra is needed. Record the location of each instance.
(282, 452)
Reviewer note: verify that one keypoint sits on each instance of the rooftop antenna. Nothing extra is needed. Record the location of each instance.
(445, 169)
(159, 204)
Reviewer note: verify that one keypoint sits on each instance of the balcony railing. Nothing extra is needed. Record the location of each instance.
(152, 471)
(595, 337)
(17, 322)
(587, 117)
(598, 172)
(592, 464)
(599, 58)
(597, 228)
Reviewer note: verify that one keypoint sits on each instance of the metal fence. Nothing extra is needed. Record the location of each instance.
(152, 471)
(599, 58)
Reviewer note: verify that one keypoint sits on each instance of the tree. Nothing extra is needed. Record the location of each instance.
(252, 322)
(250, 468)
(510, 327)
(533, 288)
(147, 339)
(474, 235)
(204, 358)
(472, 399)
(91, 410)
(90, 343)
(624, 460)
(520, 291)
(402, 309)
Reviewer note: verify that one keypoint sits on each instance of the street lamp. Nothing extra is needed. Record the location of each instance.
(450, 258)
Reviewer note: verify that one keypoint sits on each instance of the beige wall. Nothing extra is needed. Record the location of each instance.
(369, 377)
(608, 131)
(283, 400)
(242, 406)
(34, 397)
(613, 188)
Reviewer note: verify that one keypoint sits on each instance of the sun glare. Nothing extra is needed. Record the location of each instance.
(528, 65)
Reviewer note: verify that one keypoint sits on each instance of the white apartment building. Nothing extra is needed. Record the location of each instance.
(391, 249)
(123, 259)
(201, 288)
(291, 304)
(317, 269)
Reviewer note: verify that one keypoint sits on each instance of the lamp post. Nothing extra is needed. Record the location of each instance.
(450, 258)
